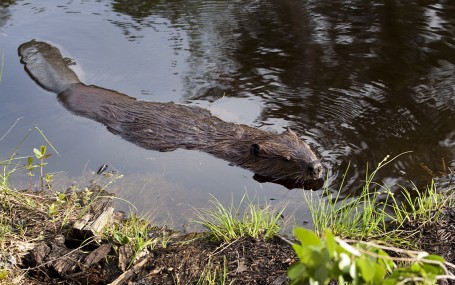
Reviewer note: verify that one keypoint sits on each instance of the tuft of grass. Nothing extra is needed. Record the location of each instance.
(214, 274)
(357, 217)
(227, 224)
(135, 232)
(421, 207)
(368, 215)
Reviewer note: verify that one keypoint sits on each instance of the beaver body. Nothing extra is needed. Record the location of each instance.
(168, 126)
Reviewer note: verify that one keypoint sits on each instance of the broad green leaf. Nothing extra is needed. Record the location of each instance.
(435, 257)
(416, 267)
(298, 250)
(330, 243)
(431, 269)
(311, 257)
(321, 274)
(307, 237)
(297, 272)
(379, 274)
(367, 269)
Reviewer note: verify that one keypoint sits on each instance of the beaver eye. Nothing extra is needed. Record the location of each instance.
(254, 149)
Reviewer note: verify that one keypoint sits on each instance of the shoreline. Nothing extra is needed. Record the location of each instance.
(87, 246)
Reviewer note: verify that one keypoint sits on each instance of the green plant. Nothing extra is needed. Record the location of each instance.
(421, 206)
(321, 261)
(41, 156)
(226, 224)
(214, 275)
(135, 232)
(358, 217)
(369, 214)
(14, 163)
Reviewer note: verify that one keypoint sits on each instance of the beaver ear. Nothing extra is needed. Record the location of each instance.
(291, 132)
(255, 149)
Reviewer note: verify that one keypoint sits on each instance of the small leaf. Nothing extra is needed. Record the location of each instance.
(29, 161)
(38, 154)
(330, 243)
(52, 209)
(48, 178)
(43, 150)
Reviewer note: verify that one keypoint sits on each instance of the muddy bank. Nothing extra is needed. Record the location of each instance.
(77, 250)
(77, 253)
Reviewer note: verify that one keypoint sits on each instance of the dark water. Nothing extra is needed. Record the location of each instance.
(358, 80)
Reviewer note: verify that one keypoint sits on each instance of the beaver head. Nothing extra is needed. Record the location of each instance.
(282, 156)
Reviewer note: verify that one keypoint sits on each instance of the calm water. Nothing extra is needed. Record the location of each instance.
(357, 80)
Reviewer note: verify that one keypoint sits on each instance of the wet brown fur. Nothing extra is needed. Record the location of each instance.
(168, 126)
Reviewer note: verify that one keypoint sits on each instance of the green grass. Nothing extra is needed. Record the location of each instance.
(368, 214)
(227, 224)
(134, 232)
(422, 207)
(214, 274)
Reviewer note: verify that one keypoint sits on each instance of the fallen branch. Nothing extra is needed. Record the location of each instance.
(122, 279)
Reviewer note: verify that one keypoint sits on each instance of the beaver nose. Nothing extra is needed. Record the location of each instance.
(314, 169)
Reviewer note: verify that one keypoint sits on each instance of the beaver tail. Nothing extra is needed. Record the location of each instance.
(46, 66)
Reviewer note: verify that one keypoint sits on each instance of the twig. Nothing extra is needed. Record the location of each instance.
(215, 252)
(9, 130)
(122, 279)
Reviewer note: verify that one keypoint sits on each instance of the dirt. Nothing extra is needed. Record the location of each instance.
(246, 261)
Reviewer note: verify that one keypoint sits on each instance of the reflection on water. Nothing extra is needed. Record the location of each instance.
(358, 80)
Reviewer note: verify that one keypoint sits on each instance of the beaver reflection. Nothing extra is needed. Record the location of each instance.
(168, 126)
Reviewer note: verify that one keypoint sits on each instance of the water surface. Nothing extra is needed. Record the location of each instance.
(357, 80)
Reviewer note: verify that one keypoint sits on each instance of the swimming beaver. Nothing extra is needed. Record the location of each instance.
(168, 126)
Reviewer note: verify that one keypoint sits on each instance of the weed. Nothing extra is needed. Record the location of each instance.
(354, 217)
(213, 274)
(134, 232)
(361, 263)
(368, 215)
(423, 207)
(225, 224)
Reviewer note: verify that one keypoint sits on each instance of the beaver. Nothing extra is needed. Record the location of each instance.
(168, 126)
